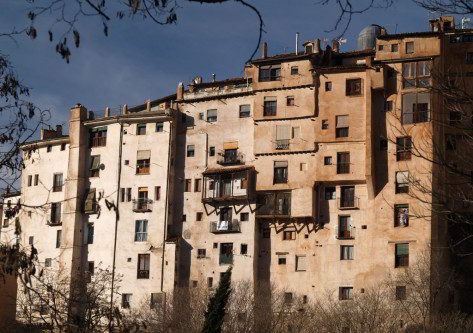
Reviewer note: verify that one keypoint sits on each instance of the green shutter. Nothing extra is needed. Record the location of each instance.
(402, 249)
(95, 163)
(89, 201)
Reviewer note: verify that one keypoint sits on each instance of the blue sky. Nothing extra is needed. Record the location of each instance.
(140, 60)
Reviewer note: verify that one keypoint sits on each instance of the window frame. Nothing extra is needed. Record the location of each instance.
(345, 293)
(407, 47)
(159, 127)
(347, 255)
(141, 231)
(280, 173)
(212, 118)
(144, 261)
(270, 108)
(244, 113)
(401, 260)
(401, 209)
(354, 87)
(141, 129)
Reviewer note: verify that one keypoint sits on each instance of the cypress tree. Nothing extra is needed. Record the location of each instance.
(215, 313)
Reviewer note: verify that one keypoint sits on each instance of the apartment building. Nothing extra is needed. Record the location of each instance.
(298, 174)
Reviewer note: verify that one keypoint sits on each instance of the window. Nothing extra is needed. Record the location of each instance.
(58, 238)
(402, 255)
(63, 146)
(94, 168)
(288, 298)
(289, 235)
(383, 144)
(201, 253)
(184, 217)
(380, 47)
(400, 293)
(341, 130)
(49, 148)
(55, 212)
(270, 106)
(159, 126)
(47, 262)
(270, 73)
(30, 180)
(98, 137)
(388, 106)
(454, 117)
(197, 185)
(140, 129)
(201, 116)
(280, 172)
(143, 158)
(230, 155)
(353, 87)
(345, 293)
(243, 248)
(244, 217)
(409, 47)
(141, 230)
(328, 86)
(244, 111)
(188, 185)
(294, 70)
(226, 254)
(31, 240)
(346, 252)
(347, 197)
(401, 215)
(157, 193)
(344, 227)
(450, 142)
(324, 124)
(215, 245)
(301, 263)
(394, 47)
(143, 266)
(403, 148)
(266, 233)
(91, 267)
(416, 74)
(126, 301)
(90, 204)
(57, 182)
(190, 150)
(210, 282)
(330, 193)
(90, 233)
(290, 101)
(128, 194)
(469, 58)
(343, 163)
(157, 300)
(402, 182)
(303, 166)
(36, 180)
(212, 115)
(296, 132)
(198, 216)
(281, 259)
(283, 134)
(211, 151)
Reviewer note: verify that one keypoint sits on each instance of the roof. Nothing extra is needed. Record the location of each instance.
(222, 170)
(286, 56)
(155, 102)
(44, 141)
(220, 83)
(10, 194)
(410, 34)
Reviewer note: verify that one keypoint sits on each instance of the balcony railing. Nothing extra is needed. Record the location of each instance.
(143, 274)
(352, 203)
(99, 141)
(222, 227)
(142, 205)
(225, 259)
(230, 159)
(343, 168)
(282, 144)
(346, 234)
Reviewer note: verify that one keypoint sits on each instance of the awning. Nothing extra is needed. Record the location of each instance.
(216, 171)
(230, 145)
(143, 155)
(142, 189)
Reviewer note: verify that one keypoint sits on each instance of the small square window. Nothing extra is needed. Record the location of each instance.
(127, 162)
(190, 150)
(303, 166)
(288, 298)
(347, 252)
(353, 87)
(244, 217)
(266, 233)
(31, 240)
(198, 216)
(409, 47)
(212, 116)
(281, 260)
(243, 248)
(400, 293)
(289, 235)
(184, 218)
(159, 127)
(201, 116)
(201, 253)
(294, 70)
(380, 47)
(290, 101)
(324, 124)
(211, 151)
(328, 86)
(49, 148)
(346, 293)
(328, 160)
(215, 245)
(330, 193)
(244, 111)
(140, 129)
(395, 48)
(47, 262)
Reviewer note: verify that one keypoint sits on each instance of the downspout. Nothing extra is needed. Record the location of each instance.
(171, 123)
(117, 216)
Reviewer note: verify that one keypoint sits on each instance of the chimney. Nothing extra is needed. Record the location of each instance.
(213, 77)
(297, 43)
(58, 131)
(264, 50)
(180, 91)
(317, 46)
(107, 112)
(335, 45)
(125, 109)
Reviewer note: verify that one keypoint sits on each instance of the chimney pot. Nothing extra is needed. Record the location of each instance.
(264, 50)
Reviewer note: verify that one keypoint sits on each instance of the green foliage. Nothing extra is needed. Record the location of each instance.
(215, 314)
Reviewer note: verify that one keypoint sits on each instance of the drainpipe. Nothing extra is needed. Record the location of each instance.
(166, 203)
(117, 215)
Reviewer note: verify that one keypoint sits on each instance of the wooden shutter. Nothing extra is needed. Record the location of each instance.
(283, 132)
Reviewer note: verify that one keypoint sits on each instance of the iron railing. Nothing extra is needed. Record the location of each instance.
(142, 205)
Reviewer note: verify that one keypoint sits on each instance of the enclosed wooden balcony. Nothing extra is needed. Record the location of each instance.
(228, 184)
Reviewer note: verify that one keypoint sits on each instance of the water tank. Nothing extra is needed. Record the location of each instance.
(367, 37)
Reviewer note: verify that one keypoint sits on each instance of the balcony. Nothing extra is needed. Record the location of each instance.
(143, 274)
(100, 141)
(142, 205)
(230, 157)
(223, 227)
(276, 203)
(227, 184)
(225, 259)
(348, 203)
(282, 144)
(348, 233)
